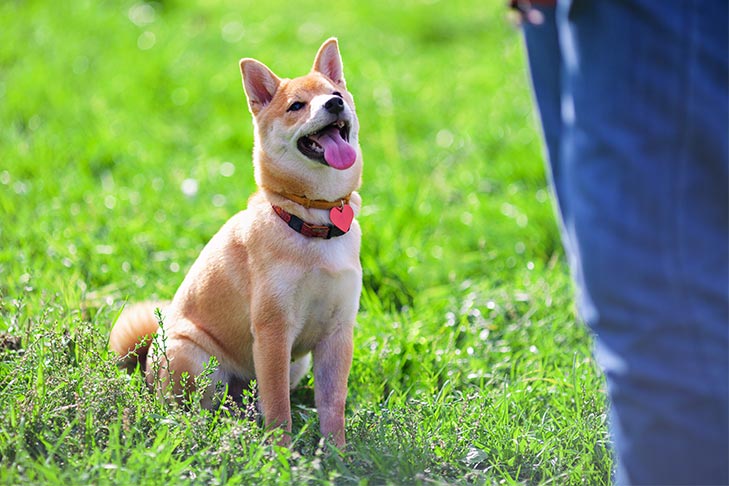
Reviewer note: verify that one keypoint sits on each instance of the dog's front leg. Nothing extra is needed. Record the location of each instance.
(272, 358)
(332, 362)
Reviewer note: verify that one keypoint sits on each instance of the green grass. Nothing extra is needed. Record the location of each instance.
(470, 365)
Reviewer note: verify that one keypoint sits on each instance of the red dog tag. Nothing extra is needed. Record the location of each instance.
(342, 217)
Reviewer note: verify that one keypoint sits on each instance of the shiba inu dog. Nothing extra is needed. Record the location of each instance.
(280, 281)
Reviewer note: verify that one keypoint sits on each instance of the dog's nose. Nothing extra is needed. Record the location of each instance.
(334, 105)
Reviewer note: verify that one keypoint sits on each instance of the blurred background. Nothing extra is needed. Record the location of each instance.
(125, 143)
(129, 119)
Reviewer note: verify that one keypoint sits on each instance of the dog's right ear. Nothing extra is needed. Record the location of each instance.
(259, 83)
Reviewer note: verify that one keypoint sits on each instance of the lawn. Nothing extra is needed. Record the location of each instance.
(125, 143)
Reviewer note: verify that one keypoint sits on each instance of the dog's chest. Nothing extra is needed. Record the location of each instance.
(324, 298)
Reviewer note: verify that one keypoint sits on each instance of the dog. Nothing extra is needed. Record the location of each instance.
(280, 282)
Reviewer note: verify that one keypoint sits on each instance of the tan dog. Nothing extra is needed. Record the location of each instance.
(281, 280)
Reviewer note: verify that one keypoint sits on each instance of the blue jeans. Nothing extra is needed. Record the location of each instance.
(634, 104)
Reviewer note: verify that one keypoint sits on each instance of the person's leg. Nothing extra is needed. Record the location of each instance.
(545, 64)
(643, 175)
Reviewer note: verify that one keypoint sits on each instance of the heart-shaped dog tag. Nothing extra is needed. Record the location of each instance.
(342, 217)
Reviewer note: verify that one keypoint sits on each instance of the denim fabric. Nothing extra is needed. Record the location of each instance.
(634, 103)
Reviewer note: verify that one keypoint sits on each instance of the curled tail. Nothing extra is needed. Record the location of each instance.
(133, 332)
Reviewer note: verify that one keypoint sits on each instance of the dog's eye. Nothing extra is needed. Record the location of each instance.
(296, 106)
(337, 93)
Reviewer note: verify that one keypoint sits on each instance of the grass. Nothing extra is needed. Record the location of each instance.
(470, 366)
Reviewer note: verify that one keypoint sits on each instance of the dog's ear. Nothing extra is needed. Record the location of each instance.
(329, 62)
(259, 83)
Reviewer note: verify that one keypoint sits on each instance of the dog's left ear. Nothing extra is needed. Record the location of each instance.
(329, 62)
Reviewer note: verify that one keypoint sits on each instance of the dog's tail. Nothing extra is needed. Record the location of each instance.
(133, 333)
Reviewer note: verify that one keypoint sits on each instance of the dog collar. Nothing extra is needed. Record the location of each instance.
(324, 231)
(315, 203)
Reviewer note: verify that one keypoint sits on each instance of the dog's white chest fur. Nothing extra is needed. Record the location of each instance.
(323, 298)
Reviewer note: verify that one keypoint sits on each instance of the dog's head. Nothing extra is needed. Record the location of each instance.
(306, 129)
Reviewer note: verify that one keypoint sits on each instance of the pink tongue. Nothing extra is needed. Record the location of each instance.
(337, 152)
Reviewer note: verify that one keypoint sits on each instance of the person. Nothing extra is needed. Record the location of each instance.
(633, 97)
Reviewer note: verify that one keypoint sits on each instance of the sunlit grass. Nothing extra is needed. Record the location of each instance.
(125, 143)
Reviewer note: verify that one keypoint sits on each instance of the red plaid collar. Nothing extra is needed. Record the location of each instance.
(325, 231)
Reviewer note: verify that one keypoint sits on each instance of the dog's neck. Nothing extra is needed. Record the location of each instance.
(297, 212)
(313, 203)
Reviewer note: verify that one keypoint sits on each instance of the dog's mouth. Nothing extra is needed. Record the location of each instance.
(330, 146)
